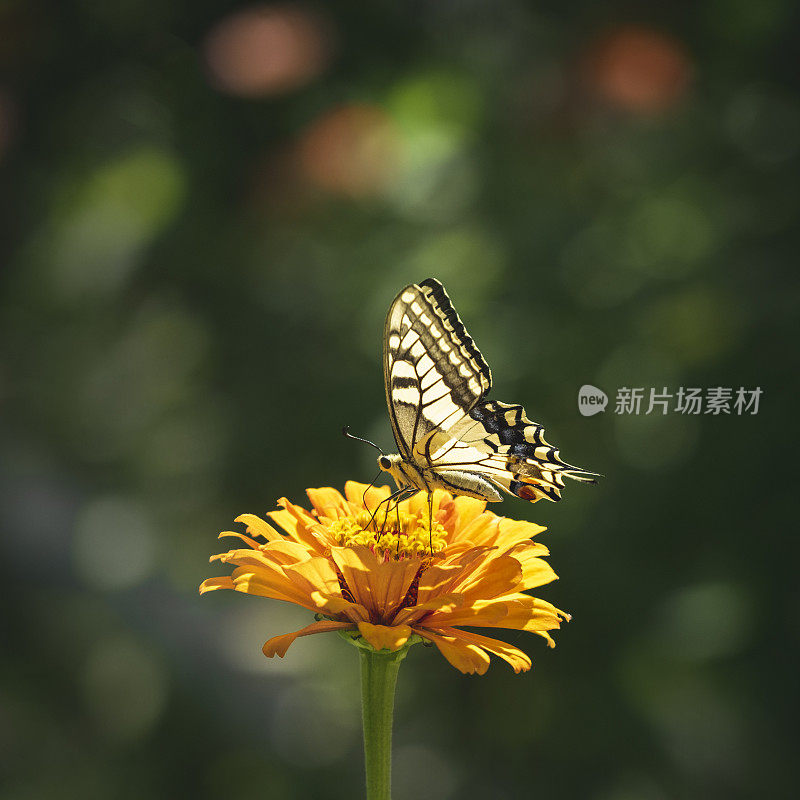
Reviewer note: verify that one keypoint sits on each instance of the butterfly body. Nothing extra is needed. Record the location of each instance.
(409, 476)
(449, 436)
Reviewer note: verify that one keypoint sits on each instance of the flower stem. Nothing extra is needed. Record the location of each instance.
(378, 680)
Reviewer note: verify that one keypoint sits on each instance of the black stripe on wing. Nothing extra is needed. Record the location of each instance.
(440, 300)
(512, 434)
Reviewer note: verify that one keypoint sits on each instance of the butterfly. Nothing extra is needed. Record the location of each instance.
(449, 436)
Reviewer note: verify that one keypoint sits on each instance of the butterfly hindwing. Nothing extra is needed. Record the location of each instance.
(498, 441)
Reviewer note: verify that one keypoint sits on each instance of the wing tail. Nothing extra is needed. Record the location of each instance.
(499, 442)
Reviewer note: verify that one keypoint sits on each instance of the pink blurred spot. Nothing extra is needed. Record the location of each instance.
(639, 69)
(266, 50)
(350, 150)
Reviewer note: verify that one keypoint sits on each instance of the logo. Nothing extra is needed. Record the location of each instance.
(591, 400)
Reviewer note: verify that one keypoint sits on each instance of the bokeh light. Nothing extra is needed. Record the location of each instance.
(638, 69)
(267, 49)
(350, 150)
(114, 546)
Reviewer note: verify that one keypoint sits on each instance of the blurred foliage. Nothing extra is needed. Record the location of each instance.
(208, 208)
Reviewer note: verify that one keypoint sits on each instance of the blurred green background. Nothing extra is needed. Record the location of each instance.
(208, 208)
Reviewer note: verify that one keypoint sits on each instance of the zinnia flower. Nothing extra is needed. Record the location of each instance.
(387, 576)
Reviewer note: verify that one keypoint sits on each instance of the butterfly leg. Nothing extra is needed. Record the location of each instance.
(397, 495)
(430, 520)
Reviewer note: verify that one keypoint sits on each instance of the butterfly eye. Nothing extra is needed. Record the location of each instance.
(384, 463)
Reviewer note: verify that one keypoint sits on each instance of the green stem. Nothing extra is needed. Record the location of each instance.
(378, 680)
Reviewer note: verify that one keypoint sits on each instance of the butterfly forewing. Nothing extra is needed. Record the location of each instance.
(433, 371)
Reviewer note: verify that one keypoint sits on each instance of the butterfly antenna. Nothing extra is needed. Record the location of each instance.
(346, 432)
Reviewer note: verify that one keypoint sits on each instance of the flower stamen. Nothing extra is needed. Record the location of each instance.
(395, 536)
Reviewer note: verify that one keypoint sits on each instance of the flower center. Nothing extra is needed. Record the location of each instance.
(392, 536)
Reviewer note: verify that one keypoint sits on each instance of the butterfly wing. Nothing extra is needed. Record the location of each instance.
(433, 372)
(436, 383)
(497, 442)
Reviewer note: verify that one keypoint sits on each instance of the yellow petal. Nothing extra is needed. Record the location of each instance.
(469, 508)
(536, 572)
(465, 657)
(285, 552)
(328, 502)
(379, 586)
(330, 605)
(315, 574)
(275, 585)
(212, 584)
(362, 495)
(527, 549)
(445, 602)
(278, 645)
(490, 614)
(498, 576)
(297, 522)
(385, 637)
(519, 661)
(524, 613)
(435, 579)
(480, 531)
(258, 527)
(242, 556)
(512, 531)
(246, 539)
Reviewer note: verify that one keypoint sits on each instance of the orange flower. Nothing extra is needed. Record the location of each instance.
(387, 577)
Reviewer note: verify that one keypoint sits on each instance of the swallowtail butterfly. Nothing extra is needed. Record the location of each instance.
(448, 434)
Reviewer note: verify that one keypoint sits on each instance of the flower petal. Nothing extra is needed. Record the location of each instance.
(268, 583)
(433, 580)
(523, 613)
(297, 522)
(385, 637)
(330, 605)
(497, 576)
(469, 508)
(278, 645)
(362, 495)
(520, 661)
(315, 574)
(479, 615)
(411, 614)
(482, 530)
(212, 584)
(246, 539)
(465, 657)
(328, 502)
(258, 527)
(536, 572)
(379, 586)
(286, 552)
(513, 531)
